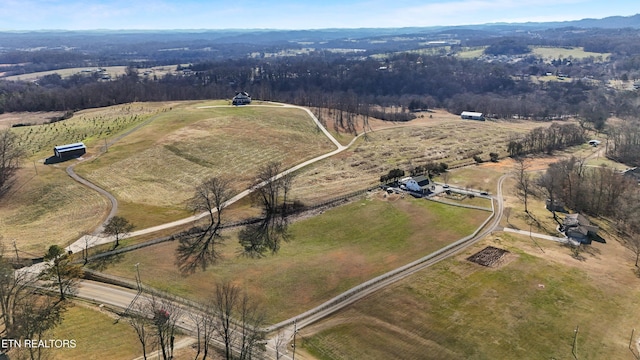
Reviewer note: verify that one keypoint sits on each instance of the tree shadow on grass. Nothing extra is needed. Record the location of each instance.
(104, 262)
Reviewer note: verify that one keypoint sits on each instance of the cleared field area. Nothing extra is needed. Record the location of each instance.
(44, 196)
(159, 165)
(526, 308)
(96, 336)
(7, 120)
(90, 126)
(443, 138)
(472, 53)
(328, 253)
(550, 53)
(48, 208)
(112, 71)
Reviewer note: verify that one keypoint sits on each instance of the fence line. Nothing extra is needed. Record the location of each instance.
(225, 226)
(351, 293)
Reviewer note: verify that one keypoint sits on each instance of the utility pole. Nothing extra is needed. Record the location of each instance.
(631, 342)
(295, 331)
(16, 249)
(574, 351)
(138, 282)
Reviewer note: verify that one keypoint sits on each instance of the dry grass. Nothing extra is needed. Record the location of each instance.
(9, 119)
(159, 166)
(48, 208)
(526, 309)
(550, 53)
(441, 138)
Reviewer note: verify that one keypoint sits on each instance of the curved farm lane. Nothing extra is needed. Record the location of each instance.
(286, 329)
(87, 183)
(104, 293)
(88, 241)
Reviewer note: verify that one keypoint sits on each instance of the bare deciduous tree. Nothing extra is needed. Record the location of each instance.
(141, 324)
(165, 314)
(10, 155)
(523, 182)
(59, 269)
(272, 195)
(198, 246)
(15, 289)
(237, 322)
(551, 183)
(204, 331)
(119, 227)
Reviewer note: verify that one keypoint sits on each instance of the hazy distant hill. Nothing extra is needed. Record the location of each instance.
(611, 22)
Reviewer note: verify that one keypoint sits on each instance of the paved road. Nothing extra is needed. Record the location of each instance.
(285, 329)
(122, 298)
(563, 240)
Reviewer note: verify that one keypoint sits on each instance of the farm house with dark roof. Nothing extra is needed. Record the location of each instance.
(241, 98)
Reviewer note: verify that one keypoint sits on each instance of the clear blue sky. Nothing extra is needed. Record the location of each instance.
(289, 14)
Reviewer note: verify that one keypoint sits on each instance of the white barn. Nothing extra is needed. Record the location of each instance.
(470, 115)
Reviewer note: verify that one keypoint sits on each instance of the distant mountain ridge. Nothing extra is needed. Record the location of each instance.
(611, 22)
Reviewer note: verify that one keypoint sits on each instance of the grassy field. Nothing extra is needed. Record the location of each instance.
(96, 336)
(526, 309)
(328, 253)
(157, 167)
(550, 53)
(112, 71)
(44, 196)
(472, 53)
(140, 164)
(48, 208)
(442, 138)
(92, 126)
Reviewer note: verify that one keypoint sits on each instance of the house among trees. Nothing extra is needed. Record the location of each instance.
(633, 173)
(241, 98)
(69, 150)
(470, 115)
(579, 228)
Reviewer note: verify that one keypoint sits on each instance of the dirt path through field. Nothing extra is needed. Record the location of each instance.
(89, 241)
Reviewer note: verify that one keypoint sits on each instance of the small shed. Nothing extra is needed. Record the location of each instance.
(70, 150)
(470, 115)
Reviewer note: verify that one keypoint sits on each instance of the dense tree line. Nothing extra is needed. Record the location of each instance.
(368, 86)
(598, 191)
(624, 143)
(546, 140)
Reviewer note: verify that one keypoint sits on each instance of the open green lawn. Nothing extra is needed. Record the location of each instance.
(526, 309)
(328, 253)
(96, 336)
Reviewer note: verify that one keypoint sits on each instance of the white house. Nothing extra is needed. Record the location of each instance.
(415, 184)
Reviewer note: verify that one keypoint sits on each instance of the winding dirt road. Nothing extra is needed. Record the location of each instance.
(102, 293)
